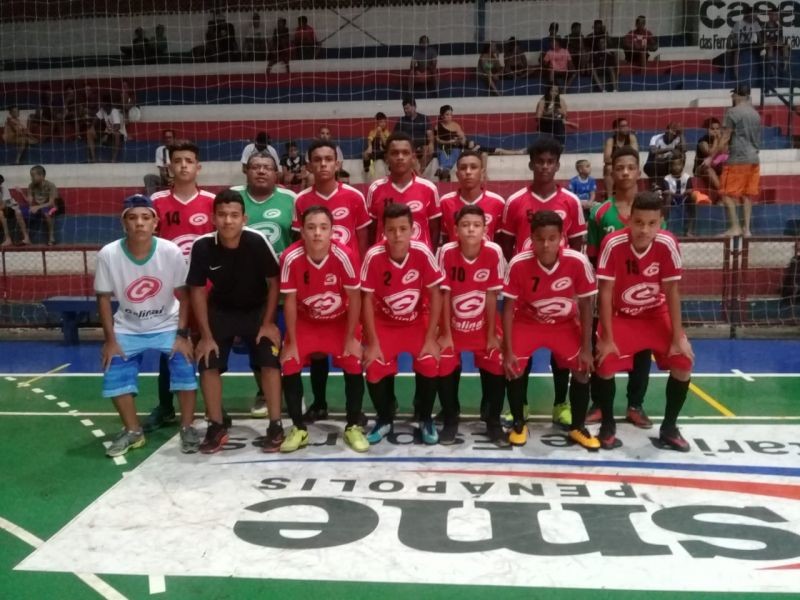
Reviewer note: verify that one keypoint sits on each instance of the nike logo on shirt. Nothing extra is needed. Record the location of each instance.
(215, 268)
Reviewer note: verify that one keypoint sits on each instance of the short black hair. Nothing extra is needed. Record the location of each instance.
(467, 153)
(261, 154)
(624, 151)
(184, 145)
(470, 209)
(647, 201)
(409, 100)
(616, 122)
(38, 169)
(710, 121)
(315, 210)
(395, 210)
(317, 144)
(228, 197)
(399, 136)
(380, 116)
(546, 218)
(545, 145)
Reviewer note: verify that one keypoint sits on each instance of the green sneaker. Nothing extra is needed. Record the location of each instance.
(508, 418)
(355, 438)
(297, 438)
(562, 414)
(125, 440)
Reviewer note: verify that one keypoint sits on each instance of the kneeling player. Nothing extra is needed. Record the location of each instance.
(397, 275)
(640, 308)
(473, 270)
(548, 294)
(147, 275)
(322, 308)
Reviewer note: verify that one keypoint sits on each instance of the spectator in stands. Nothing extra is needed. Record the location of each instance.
(127, 102)
(604, 64)
(777, 48)
(108, 128)
(16, 132)
(745, 41)
(221, 44)
(43, 201)
(415, 125)
(741, 139)
(41, 122)
(140, 45)
(280, 46)
(790, 290)
(708, 161)
(153, 182)
(551, 111)
(547, 43)
(375, 152)
(639, 43)
(450, 140)
(663, 148)
(306, 45)
(70, 123)
(293, 167)
(584, 186)
(8, 208)
(515, 63)
(558, 65)
(677, 190)
(576, 46)
(254, 41)
(423, 71)
(490, 68)
(160, 42)
(622, 136)
(261, 144)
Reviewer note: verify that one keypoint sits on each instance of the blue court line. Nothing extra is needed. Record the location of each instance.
(739, 469)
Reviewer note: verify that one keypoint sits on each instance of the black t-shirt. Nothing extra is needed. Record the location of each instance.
(238, 275)
(293, 165)
(699, 157)
(416, 128)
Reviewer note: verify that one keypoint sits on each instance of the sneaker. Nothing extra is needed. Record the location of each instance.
(355, 438)
(447, 435)
(158, 418)
(608, 439)
(674, 440)
(428, 431)
(274, 438)
(259, 408)
(508, 418)
(496, 435)
(594, 415)
(518, 435)
(584, 438)
(190, 440)
(315, 413)
(125, 440)
(379, 431)
(639, 418)
(297, 438)
(562, 414)
(216, 437)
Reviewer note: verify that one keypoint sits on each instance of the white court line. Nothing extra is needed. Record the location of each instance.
(37, 390)
(157, 583)
(93, 581)
(63, 404)
(87, 422)
(744, 376)
(50, 397)
(98, 433)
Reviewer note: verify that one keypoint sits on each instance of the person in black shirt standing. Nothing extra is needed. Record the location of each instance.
(243, 269)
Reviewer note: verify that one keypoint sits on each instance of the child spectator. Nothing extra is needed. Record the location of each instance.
(558, 61)
(605, 65)
(576, 46)
(584, 186)
(108, 128)
(376, 147)
(9, 207)
(280, 46)
(551, 111)
(677, 191)
(450, 139)
(708, 162)
(514, 59)
(293, 166)
(489, 67)
(15, 132)
(43, 201)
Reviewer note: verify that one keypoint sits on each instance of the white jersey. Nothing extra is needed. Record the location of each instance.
(144, 289)
(251, 149)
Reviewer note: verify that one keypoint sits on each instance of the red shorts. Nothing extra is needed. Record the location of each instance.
(474, 342)
(633, 334)
(395, 339)
(562, 339)
(321, 337)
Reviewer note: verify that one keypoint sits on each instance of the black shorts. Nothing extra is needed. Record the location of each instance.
(226, 326)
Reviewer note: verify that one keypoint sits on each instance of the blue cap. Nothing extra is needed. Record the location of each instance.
(137, 201)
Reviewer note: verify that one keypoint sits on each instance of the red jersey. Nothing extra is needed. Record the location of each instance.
(548, 296)
(420, 195)
(347, 206)
(397, 288)
(321, 289)
(491, 203)
(637, 277)
(468, 281)
(522, 204)
(182, 222)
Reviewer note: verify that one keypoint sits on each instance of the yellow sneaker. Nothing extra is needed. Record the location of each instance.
(355, 438)
(297, 438)
(562, 414)
(584, 438)
(518, 435)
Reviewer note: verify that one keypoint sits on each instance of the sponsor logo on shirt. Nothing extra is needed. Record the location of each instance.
(412, 275)
(641, 294)
(652, 270)
(184, 242)
(143, 288)
(481, 275)
(271, 230)
(561, 284)
(323, 305)
(330, 279)
(341, 234)
(416, 206)
(549, 309)
(340, 213)
(469, 305)
(198, 219)
(271, 213)
(402, 303)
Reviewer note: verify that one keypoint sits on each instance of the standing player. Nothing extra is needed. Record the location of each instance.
(396, 276)
(610, 216)
(544, 194)
(243, 270)
(322, 307)
(473, 270)
(184, 214)
(640, 308)
(404, 187)
(148, 278)
(470, 192)
(548, 295)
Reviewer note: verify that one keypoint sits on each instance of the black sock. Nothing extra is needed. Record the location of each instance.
(638, 378)
(676, 396)
(164, 395)
(495, 392)
(560, 382)
(319, 381)
(354, 397)
(484, 395)
(293, 394)
(606, 389)
(516, 397)
(448, 396)
(579, 402)
(367, 164)
(526, 377)
(458, 381)
(382, 395)
(426, 395)
(257, 374)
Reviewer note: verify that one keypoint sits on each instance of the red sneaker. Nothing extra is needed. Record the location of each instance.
(609, 439)
(639, 418)
(594, 415)
(674, 439)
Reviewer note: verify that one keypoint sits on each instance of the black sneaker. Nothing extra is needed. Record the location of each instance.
(274, 438)
(216, 437)
(447, 435)
(158, 418)
(496, 435)
(315, 413)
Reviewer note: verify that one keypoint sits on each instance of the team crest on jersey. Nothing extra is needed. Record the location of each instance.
(143, 288)
(481, 275)
(641, 294)
(323, 305)
(330, 279)
(198, 219)
(341, 234)
(652, 270)
(551, 308)
(402, 303)
(340, 213)
(271, 213)
(271, 230)
(561, 284)
(416, 206)
(412, 275)
(469, 305)
(184, 242)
